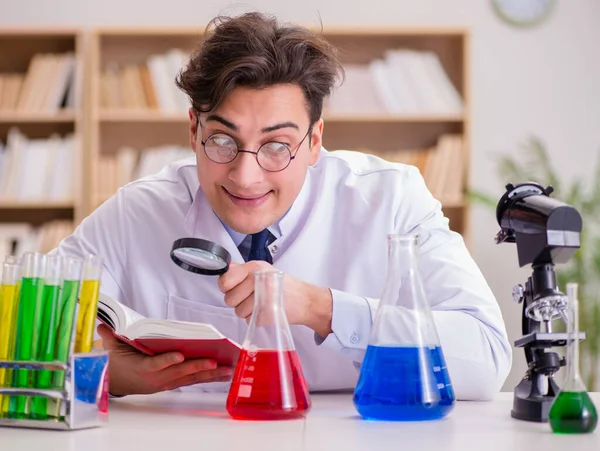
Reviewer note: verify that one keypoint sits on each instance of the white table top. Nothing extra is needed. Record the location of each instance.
(182, 421)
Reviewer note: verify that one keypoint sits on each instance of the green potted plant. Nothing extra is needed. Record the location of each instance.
(533, 164)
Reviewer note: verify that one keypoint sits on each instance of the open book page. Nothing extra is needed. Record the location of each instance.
(158, 328)
(132, 325)
(117, 315)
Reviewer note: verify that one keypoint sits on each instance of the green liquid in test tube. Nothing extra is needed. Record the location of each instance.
(9, 291)
(28, 322)
(47, 338)
(72, 270)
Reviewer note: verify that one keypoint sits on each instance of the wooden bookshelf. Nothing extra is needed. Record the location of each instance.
(18, 47)
(413, 131)
(113, 128)
(18, 118)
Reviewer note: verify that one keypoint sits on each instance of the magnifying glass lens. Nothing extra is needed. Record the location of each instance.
(200, 258)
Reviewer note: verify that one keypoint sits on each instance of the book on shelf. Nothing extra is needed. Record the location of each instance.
(146, 86)
(18, 238)
(52, 82)
(155, 336)
(442, 166)
(403, 81)
(128, 164)
(38, 170)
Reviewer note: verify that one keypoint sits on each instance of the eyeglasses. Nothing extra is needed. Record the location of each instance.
(272, 156)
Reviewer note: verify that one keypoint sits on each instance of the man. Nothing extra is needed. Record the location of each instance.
(262, 186)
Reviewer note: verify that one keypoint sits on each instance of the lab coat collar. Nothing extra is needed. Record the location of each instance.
(291, 224)
(292, 219)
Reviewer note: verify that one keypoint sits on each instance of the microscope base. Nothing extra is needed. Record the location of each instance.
(529, 404)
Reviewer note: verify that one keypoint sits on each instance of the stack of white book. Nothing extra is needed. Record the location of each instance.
(402, 82)
(52, 82)
(38, 170)
(18, 238)
(146, 86)
(129, 164)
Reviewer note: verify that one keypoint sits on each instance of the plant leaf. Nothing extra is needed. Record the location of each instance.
(542, 161)
(479, 197)
(592, 204)
(512, 172)
(575, 196)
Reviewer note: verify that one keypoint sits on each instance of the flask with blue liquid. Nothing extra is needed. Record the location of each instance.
(403, 376)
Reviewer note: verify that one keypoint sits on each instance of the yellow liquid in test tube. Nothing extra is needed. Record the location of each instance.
(88, 303)
(9, 292)
(86, 318)
(7, 316)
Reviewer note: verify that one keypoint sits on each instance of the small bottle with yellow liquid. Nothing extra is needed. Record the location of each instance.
(573, 411)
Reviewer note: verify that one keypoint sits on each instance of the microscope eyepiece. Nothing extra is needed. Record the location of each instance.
(546, 230)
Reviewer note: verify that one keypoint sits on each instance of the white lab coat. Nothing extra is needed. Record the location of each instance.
(335, 235)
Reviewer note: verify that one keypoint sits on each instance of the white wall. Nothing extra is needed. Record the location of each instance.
(543, 81)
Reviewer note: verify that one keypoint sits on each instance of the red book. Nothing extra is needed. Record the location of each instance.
(154, 336)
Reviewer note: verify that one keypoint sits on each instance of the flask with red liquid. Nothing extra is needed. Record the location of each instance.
(268, 383)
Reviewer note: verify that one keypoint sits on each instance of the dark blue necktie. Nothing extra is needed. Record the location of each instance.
(258, 248)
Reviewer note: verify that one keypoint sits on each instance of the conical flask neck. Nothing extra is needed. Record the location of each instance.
(404, 317)
(403, 248)
(404, 286)
(268, 291)
(268, 328)
(573, 380)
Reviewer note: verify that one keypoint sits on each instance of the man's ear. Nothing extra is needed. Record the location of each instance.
(316, 141)
(193, 128)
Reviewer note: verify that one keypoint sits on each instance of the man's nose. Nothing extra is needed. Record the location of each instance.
(245, 170)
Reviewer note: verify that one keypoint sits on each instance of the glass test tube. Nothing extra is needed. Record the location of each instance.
(72, 271)
(88, 303)
(8, 315)
(47, 338)
(28, 323)
(68, 301)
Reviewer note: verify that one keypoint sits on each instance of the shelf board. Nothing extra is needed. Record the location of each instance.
(39, 31)
(327, 31)
(393, 31)
(155, 116)
(140, 116)
(19, 117)
(36, 205)
(372, 118)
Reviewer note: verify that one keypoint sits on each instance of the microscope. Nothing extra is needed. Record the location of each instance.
(546, 232)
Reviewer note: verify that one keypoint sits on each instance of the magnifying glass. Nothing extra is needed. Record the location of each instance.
(200, 256)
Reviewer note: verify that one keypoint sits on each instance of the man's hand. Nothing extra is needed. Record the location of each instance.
(131, 372)
(305, 304)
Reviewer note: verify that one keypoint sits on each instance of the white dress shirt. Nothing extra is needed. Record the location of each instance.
(335, 236)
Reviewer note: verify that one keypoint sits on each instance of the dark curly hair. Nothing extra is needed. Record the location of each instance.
(254, 50)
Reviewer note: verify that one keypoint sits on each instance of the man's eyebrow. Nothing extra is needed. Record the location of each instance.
(232, 126)
(222, 120)
(272, 128)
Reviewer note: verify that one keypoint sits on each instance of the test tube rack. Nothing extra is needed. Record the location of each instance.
(83, 401)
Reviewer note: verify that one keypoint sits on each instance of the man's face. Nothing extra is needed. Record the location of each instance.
(244, 195)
